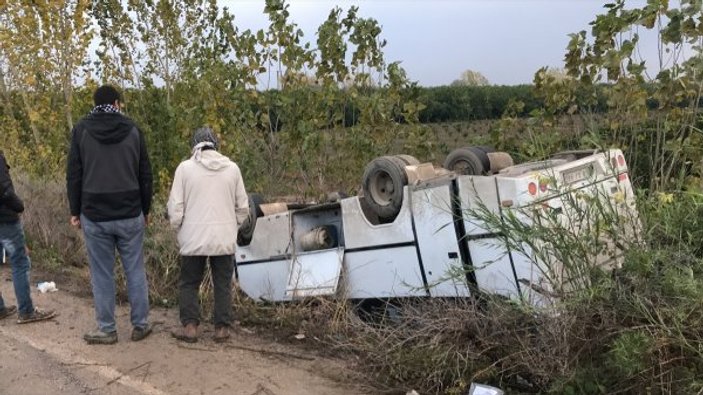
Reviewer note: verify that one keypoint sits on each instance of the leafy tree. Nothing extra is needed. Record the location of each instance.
(471, 78)
(43, 55)
(185, 63)
(653, 111)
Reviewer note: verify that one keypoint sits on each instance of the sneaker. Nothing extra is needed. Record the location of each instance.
(139, 333)
(99, 337)
(36, 315)
(7, 311)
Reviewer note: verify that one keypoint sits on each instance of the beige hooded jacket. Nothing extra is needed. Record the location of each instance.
(207, 204)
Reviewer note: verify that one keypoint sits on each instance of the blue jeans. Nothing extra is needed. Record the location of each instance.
(101, 240)
(12, 240)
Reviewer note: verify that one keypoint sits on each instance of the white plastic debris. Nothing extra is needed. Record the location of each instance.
(482, 389)
(47, 287)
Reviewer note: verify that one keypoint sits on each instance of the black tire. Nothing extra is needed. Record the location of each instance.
(246, 230)
(482, 152)
(468, 161)
(382, 183)
(255, 202)
(409, 160)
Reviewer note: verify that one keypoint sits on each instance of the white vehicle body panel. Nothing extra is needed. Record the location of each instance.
(433, 238)
(267, 280)
(434, 221)
(315, 273)
(360, 233)
(394, 273)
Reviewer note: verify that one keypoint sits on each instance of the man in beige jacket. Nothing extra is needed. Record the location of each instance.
(207, 205)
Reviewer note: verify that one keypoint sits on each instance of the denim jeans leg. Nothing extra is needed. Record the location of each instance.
(192, 272)
(100, 243)
(130, 244)
(12, 238)
(222, 268)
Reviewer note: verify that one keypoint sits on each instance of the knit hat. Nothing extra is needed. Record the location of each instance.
(204, 135)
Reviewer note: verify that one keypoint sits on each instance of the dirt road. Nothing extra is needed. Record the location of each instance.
(51, 358)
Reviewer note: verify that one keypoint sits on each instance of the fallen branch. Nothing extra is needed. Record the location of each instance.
(128, 372)
(181, 345)
(83, 364)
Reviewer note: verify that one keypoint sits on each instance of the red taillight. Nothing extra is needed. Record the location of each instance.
(622, 177)
(621, 160)
(532, 188)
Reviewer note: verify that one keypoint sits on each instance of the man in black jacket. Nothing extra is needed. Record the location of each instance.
(12, 240)
(109, 184)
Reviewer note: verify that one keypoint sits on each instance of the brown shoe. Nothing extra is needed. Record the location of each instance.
(221, 334)
(36, 315)
(187, 333)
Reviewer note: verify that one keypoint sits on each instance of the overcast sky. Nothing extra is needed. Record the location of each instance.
(505, 40)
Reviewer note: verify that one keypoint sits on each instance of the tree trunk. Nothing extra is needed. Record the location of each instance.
(5, 95)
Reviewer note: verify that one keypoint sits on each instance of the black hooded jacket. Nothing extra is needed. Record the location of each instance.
(109, 175)
(10, 204)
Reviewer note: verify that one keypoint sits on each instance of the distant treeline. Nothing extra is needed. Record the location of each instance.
(441, 104)
(470, 103)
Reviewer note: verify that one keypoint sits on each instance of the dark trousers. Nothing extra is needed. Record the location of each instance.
(192, 272)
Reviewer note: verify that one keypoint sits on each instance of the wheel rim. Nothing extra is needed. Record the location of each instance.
(381, 188)
(461, 167)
